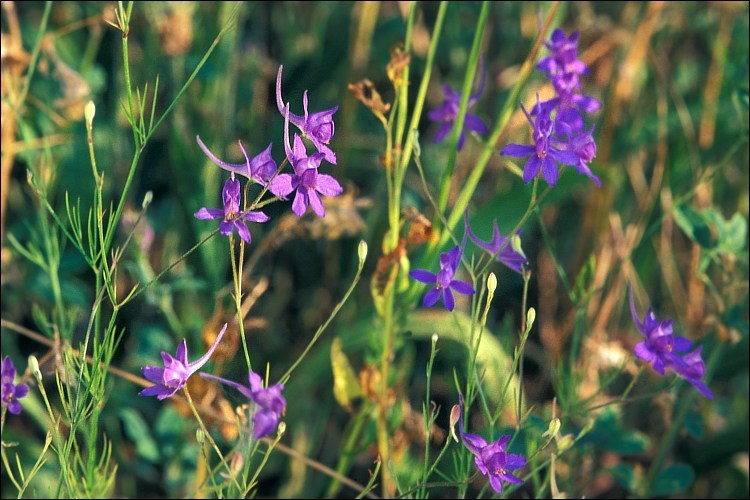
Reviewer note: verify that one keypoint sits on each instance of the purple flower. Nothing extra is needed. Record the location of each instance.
(563, 58)
(305, 180)
(499, 247)
(543, 155)
(232, 217)
(447, 112)
(260, 169)
(176, 371)
(318, 127)
(443, 281)
(662, 349)
(270, 404)
(492, 459)
(11, 392)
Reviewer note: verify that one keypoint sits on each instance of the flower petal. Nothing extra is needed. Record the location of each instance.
(153, 373)
(423, 276)
(448, 300)
(462, 287)
(281, 185)
(299, 205)
(431, 298)
(243, 231)
(195, 365)
(209, 214)
(328, 186)
(518, 150)
(316, 204)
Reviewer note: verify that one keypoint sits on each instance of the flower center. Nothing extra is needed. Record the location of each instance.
(499, 471)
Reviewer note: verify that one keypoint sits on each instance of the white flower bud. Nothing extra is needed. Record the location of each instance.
(492, 283)
(362, 251)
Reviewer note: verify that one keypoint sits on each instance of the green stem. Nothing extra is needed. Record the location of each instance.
(458, 126)
(208, 436)
(34, 54)
(489, 147)
(666, 443)
(237, 277)
(323, 327)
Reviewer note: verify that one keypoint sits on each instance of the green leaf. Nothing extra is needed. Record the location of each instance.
(694, 425)
(137, 430)
(609, 434)
(624, 475)
(345, 383)
(694, 225)
(673, 479)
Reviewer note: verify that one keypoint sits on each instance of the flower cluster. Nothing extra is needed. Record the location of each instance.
(664, 350)
(492, 459)
(309, 184)
(269, 402)
(262, 169)
(559, 134)
(10, 391)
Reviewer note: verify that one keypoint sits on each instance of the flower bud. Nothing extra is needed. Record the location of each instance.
(34, 366)
(88, 112)
(455, 416)
(362, 251)
(491, 283)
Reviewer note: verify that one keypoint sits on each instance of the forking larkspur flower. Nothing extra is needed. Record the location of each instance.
(232, 217)
(447, 112)
(177, 370)
(260, 168)
(269, 401)
(11, 392)
(499, 247)
(305, 180)
(543, 153)
(492, 459)
(444, 283)
(318, 127)
(662, 349)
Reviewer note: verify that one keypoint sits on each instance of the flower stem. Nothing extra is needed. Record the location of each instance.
(208, 436)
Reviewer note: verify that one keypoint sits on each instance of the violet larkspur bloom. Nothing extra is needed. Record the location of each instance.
(544, 156)
(305, 180)
(447, 112)
(563, 58)
(260, 168)
(270, 404)
(10, 391)
(492, 459)
(444, 283)
(499, 247)
(318, 127)
(177, 370)
(662, 349)
(232, 217)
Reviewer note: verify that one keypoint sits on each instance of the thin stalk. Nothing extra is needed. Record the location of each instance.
(323, 327)
(445, 183)
(472, 181)
(208, 435)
